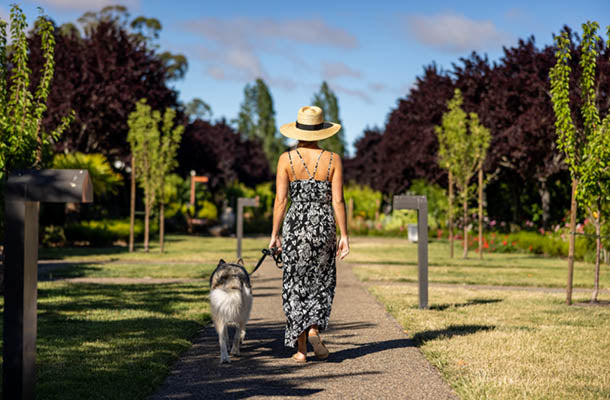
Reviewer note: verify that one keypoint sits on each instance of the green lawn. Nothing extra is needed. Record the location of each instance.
(98, 341)
(396, 260)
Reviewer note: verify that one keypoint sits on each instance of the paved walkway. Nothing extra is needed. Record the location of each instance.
(371, 358)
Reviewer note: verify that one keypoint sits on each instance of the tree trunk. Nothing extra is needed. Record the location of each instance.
(481, 210)
(161, 221)
(146, 216)
(450, 214)
(572, 242)
(545, 200)
(598, 245)
(132, 205)
(465, 209)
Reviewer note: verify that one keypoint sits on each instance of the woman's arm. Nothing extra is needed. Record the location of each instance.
(339, 207)
(281, 198)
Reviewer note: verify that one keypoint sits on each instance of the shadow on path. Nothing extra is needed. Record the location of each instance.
(261, 370)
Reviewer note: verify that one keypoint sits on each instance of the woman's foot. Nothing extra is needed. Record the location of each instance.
(299, 357)
(318, 347)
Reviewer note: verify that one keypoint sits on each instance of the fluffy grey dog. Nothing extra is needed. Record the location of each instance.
(231, 302)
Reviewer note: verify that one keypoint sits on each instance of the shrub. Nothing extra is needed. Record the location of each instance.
(366, 200)
(258, 219)
(53, 236)
(438, 202)
(103, 178)
(104, 232)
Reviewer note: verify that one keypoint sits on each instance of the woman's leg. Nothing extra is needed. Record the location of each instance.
(319, 349)
(301, 353)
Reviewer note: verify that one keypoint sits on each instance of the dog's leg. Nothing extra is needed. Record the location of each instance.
(240, 333)
(223, 338)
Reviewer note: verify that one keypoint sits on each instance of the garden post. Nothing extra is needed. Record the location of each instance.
(24, 191)
(241, 203)
(419, 203)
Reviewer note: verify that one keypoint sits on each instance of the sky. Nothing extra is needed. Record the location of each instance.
(369, 52)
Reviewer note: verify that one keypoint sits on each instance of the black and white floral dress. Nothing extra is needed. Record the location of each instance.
(308, 254)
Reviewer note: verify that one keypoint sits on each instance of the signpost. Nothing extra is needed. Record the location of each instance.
(419, 203)
(241, 203)
(196, 179)
(24, 191)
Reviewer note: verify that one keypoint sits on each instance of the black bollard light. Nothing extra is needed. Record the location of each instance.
(24, 191)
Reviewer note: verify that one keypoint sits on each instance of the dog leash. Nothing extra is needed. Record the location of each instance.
(269, 252)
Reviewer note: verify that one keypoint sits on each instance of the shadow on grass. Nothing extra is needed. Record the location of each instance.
(58, 253)
(472, 302)
(100, 341)
(452, 330)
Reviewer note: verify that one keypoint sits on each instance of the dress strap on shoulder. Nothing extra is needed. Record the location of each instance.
(292, 166)
(329, 164)
(317, 162)
(304, 164)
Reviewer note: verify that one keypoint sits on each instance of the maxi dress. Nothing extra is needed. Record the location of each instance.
(308, 254)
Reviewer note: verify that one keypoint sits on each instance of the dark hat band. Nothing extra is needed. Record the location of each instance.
(306, 127)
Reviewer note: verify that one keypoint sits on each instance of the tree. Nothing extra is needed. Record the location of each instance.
(144, 139)
(328, 102)
(410, 144)
(256, 120)
(22, 136)
(101, 76)
(586, 148)
(524, 151)
(463, 142)
(364, 167)
(480, 137)
(164, 163)
(197, 108)
(450, 134)
(222, 154)
(145, 30)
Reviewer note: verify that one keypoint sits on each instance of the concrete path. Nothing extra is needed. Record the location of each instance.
(371, 358)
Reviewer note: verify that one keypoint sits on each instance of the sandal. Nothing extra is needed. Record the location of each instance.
(298, 359)
(318, 347)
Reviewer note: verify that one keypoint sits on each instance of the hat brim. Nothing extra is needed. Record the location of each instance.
(290, 130)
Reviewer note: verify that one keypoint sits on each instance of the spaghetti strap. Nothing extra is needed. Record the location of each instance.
(329, 164)
(317, 162)
(292, 166)
(305, 165)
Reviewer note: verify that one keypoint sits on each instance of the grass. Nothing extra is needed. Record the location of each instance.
(113, 341)
(508, 345)
(100, 341)
(396, 260)
(184, 257)
(118, 341)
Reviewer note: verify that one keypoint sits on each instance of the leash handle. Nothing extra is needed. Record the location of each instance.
(273, 252)
(269, 252)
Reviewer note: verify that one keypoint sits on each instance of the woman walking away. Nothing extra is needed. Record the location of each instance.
(314, 178)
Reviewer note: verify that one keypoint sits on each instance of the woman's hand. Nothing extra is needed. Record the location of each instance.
(276, 242)
(343, 247)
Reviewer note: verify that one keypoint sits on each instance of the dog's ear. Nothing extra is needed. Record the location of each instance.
(221, 262)
(240, 262)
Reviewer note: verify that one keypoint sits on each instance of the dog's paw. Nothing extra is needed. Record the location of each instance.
(235, 351)
(225, 360)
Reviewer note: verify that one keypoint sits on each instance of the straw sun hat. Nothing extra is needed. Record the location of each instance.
(310, 125)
